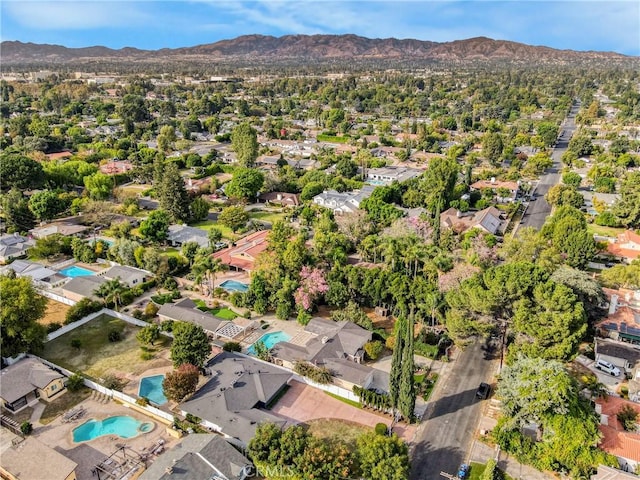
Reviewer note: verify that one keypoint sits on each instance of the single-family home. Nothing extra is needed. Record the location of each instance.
(14, 246)
(489, 220)
(591, 198)
(280, 198)
(388, 175)
(626, 246)
(502, 191)
(621, 354)
(233, 401)
(116, 167)
(242, 255)
(83, 287)
(624, 445)
(338, 346)
(41, 275)
(623, 318)
(180, 234)
(67, 229)
(130, 276)
(30, 459)
(26, 381)
(187, 311)
(200, 456)
(343, 202)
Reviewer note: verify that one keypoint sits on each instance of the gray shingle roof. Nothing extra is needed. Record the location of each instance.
(193, 457)
(186, 311)
(23, 377)
(183, 234)
(238, 386)
(85, 286)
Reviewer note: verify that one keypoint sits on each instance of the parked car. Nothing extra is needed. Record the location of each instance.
(607, 367)
(463, 471)
(483, 391)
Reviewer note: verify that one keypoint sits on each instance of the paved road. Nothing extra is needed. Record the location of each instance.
(538, 211)
(444, 440)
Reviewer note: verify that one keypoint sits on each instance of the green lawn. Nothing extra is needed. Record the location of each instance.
(221, 312)
(270, 217)
(209, 224)
(96, 356)
(603, 231)
(341, 430)
(172, 252)
(63, 403)
(478, 468)
(345, 400)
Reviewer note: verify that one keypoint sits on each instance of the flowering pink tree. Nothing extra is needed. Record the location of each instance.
(312, 285)
(453, 278)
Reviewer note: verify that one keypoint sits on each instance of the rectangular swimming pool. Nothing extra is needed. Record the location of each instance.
(75, 271)
(234, 286)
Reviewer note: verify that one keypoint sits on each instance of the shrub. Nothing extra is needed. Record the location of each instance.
(151, 310)
(381, 429)
(76, 343)
(193, 419)
(52, 327)
(175, 294)
(232, 347)
(114, 336)
(170, 283)
(113, 382)
(75, 382)
(320, 375)
(145, 355)
(167, 326)
(491, 471)
(81, 309)
(137, 314)
(26, 428)
(143, 401)
(628, 417)
(373, 349)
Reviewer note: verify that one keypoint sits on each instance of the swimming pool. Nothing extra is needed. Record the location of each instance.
(151, 388)
(269, 340)
(75, 271)
(122, 426)
(234, 286)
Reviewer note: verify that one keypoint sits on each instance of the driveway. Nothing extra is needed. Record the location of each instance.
(443, 441)
(303, 403)
(612, 383)
(537, 212)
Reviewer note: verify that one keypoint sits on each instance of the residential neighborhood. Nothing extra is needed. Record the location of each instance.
(320, 271)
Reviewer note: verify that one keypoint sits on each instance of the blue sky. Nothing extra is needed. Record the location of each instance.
(579, 25)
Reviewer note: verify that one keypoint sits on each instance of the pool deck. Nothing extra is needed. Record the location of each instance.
(58, 435)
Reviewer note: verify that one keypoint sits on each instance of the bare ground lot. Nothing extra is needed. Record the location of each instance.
(55, 313)
(96, 356)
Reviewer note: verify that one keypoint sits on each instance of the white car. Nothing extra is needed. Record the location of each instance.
(607, 367)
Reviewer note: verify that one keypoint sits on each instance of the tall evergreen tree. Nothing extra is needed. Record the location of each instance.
(396, 363)
(173, 195)
(407, 397)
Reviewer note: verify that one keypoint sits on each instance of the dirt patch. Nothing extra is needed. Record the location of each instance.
(385, 323)
(342, 430)
(55, 313)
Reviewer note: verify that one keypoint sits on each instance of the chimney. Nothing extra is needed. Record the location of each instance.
(493, 179)
(458, 214)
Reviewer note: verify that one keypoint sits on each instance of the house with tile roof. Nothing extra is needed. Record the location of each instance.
(242, 255)
(233, 401)
(495, 185)
(626, 246)
(623, 319)
(624, 445)
(26, 381)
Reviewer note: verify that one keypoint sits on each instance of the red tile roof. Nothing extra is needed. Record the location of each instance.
(245, 252)
(113, 168)
(616, 440)
(625, 238)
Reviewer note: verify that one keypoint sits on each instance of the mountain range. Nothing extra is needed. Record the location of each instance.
(309, 47)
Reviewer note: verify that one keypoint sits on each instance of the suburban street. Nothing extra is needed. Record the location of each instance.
(537, 212)
(443, 440)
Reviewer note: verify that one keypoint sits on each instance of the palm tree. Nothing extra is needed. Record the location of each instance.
(112, 291)
(206, 267)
